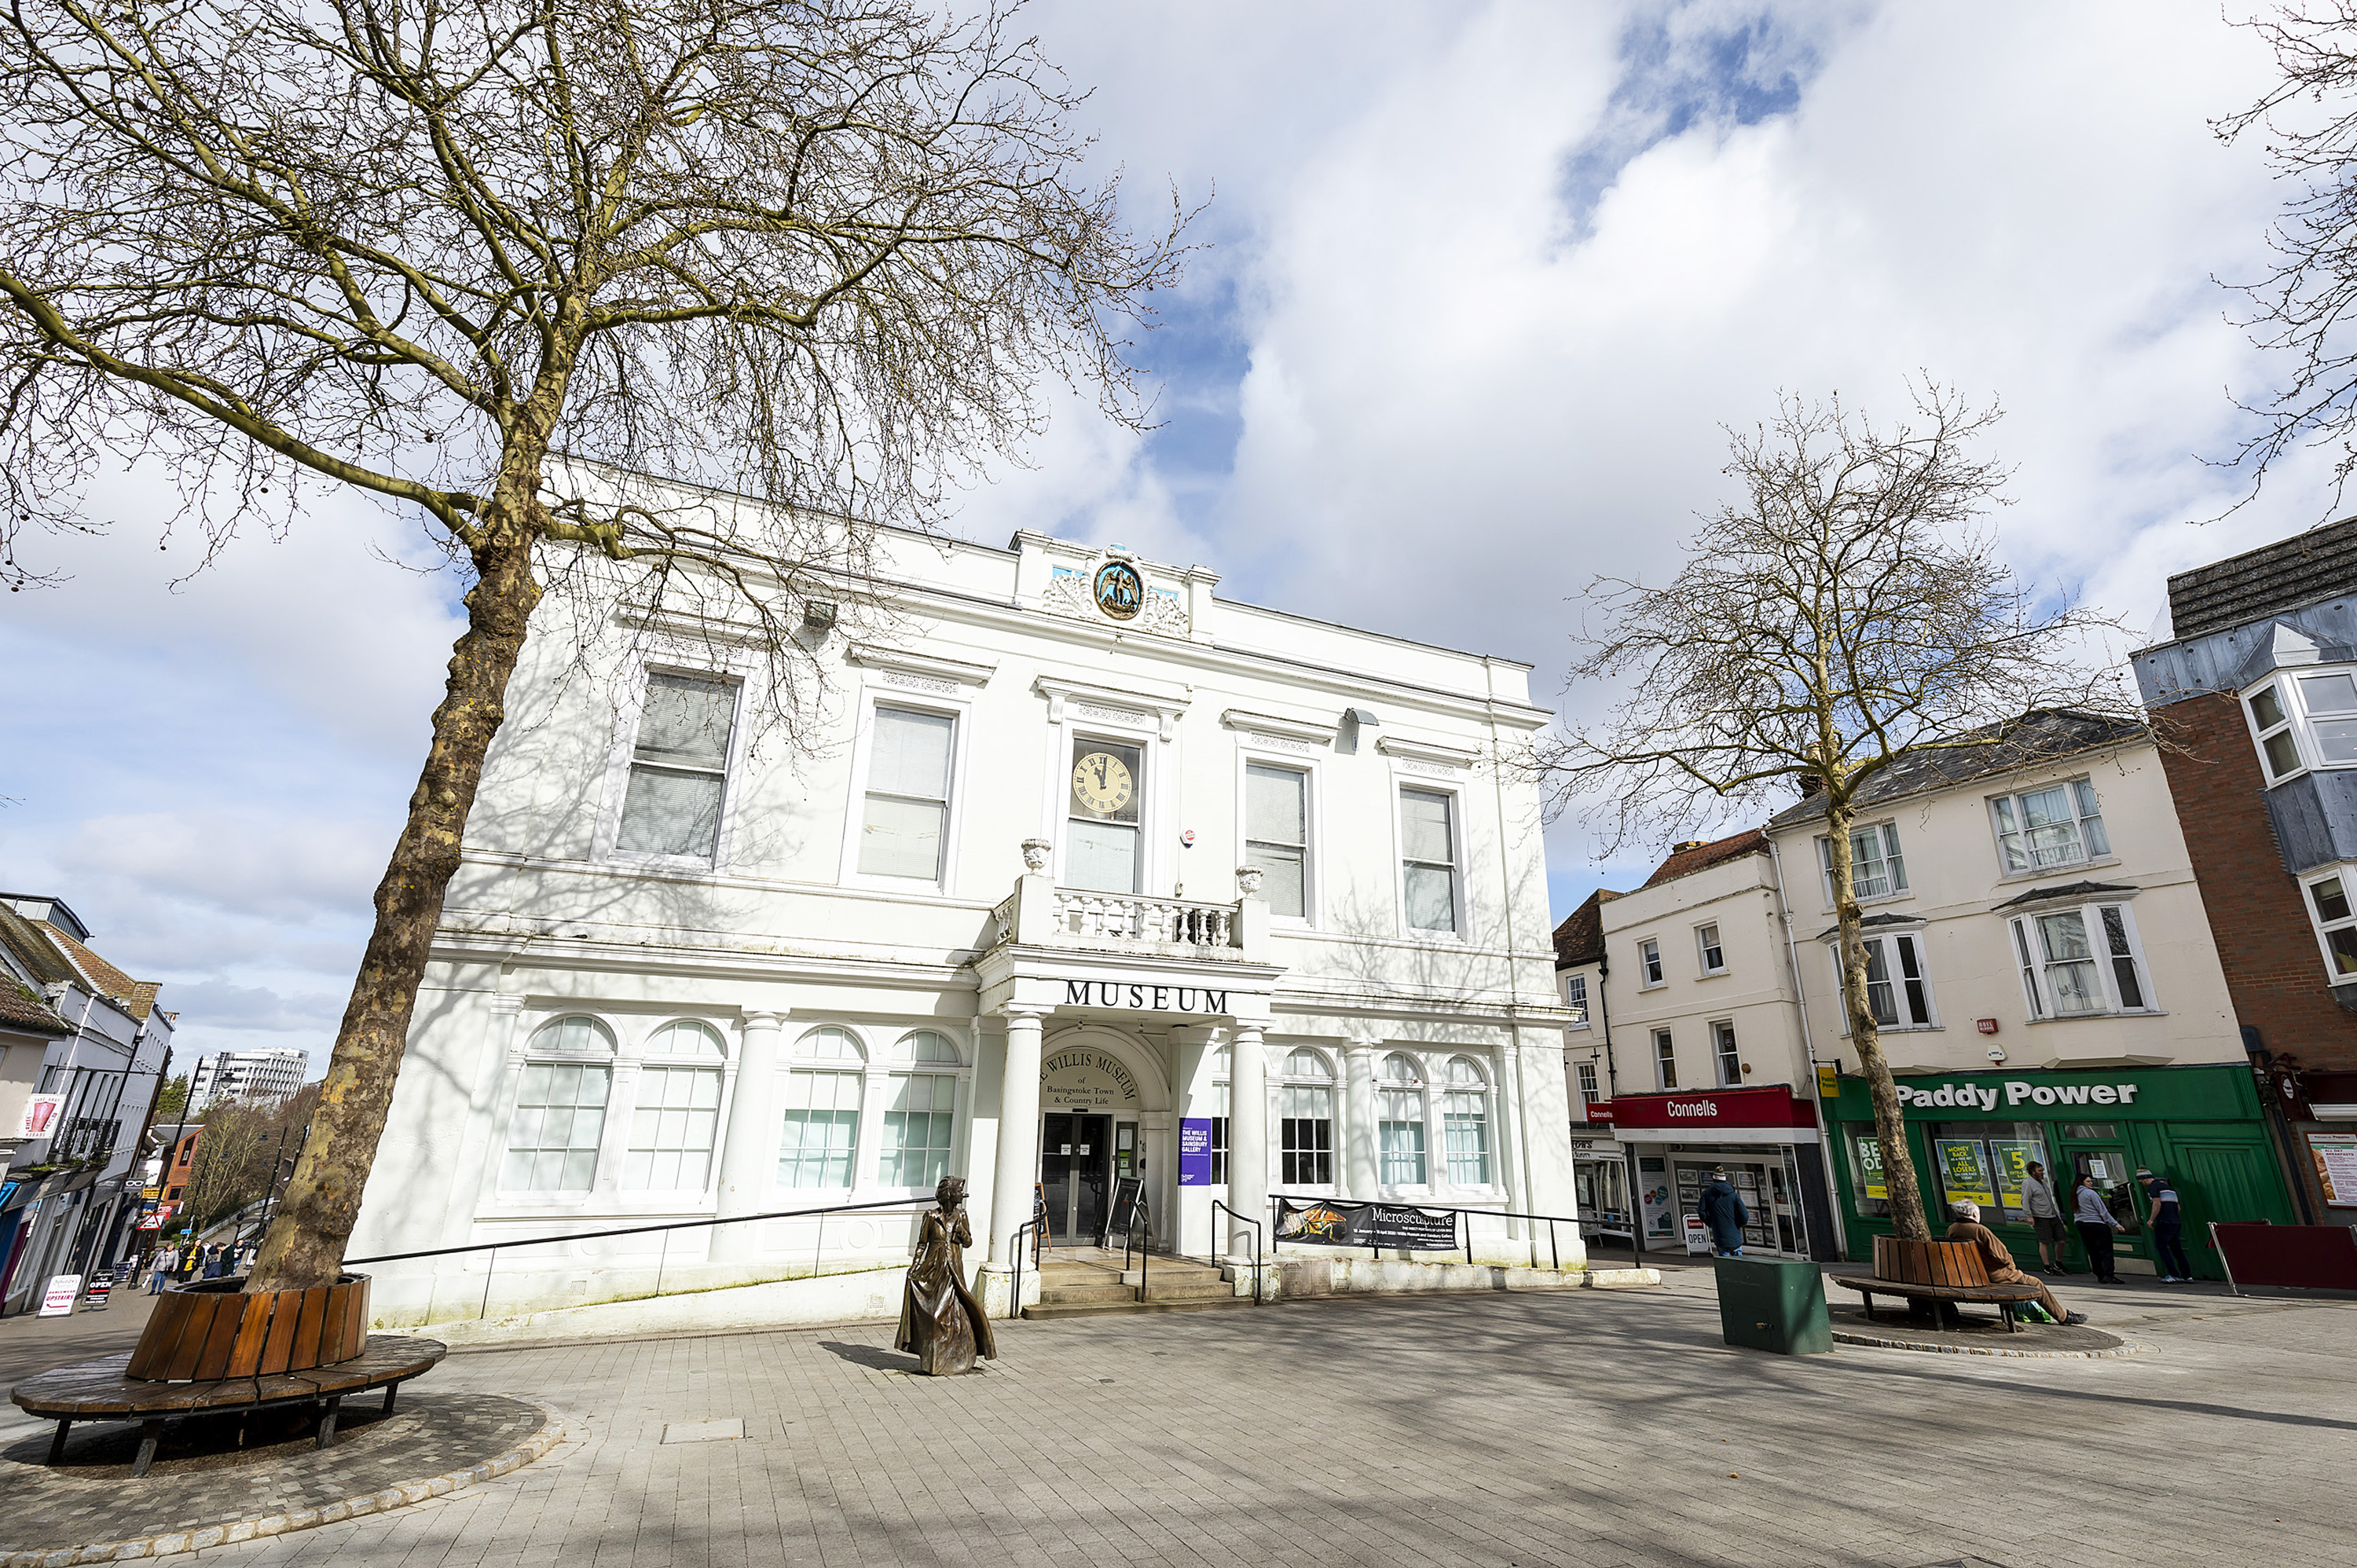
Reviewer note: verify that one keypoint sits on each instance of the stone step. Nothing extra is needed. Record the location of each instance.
(1074, 1295)
(1188, 1290)
(1110, 1309)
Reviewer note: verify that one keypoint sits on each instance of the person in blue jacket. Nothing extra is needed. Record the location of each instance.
(1724, 1214)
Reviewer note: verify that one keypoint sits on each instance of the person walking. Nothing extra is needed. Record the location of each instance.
(2096, 1227)
(2045, 1218)
(166, 1258)
(1723, 1212)
(2167, 1223)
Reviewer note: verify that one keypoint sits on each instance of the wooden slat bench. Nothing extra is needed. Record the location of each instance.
(2004, 1297)
(1943, 1272)
(101, 1390)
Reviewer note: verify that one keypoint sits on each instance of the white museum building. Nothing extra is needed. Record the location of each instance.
(1083, 873)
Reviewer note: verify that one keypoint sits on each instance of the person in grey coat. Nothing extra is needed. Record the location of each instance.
(1724, 1214)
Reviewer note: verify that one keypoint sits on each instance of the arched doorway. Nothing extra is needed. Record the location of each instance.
(1096, 1087)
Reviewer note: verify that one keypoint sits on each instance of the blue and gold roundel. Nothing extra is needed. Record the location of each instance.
(1120, 591)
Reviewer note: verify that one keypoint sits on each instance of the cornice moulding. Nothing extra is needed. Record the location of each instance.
(1315, 732)
(875, 656)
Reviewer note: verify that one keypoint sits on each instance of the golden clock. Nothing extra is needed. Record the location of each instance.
(1100, 782)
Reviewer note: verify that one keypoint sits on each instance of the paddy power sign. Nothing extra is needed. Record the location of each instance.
(2014, 1094)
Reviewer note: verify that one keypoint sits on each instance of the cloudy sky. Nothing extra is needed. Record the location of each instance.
(1482, 286)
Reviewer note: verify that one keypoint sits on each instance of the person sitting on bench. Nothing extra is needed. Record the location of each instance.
(1999, 1262)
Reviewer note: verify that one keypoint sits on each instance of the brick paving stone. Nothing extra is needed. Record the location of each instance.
(1597, 1428)
(200, 1482)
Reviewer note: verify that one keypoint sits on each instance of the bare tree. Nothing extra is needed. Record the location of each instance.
(2303, 304)
(820, 252)
(1847, 616)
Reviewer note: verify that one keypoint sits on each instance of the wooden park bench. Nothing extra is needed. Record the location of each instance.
(1943, 1273)
(103, 1391)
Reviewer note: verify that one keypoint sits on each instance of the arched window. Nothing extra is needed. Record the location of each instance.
(925, 1046)
(1465, 1122)
(1399, 1110)
(687, 1038)
(920, 1113)
(821, 1128)
(560, 1110)
(1304, 1112)
(678, 1117)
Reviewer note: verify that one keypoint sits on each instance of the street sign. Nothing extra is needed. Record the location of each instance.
(58, 1301)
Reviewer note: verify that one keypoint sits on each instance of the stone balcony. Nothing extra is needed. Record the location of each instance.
(1038, 914)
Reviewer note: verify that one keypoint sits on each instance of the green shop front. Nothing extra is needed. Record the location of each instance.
(1973, 1135)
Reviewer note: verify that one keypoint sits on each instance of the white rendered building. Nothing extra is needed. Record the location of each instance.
(997, 922)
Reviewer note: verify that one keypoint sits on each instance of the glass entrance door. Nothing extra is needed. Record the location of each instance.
(1075, 1159)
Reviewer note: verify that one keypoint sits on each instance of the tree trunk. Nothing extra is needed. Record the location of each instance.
(1889, 1124)
(304, 1245)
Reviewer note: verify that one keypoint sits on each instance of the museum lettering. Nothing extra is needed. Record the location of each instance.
(1147, 998)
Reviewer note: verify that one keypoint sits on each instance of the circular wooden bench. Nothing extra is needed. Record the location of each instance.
(2004, 1297)
(103, 1391)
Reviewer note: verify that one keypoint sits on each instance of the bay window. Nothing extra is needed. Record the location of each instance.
(2061, 824)
(2303, 721)
(2082, 962)
(2336, 924)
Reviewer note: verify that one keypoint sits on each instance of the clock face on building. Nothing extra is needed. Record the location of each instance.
(1102, 783)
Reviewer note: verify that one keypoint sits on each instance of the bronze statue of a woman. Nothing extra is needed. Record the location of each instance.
(941, 1323)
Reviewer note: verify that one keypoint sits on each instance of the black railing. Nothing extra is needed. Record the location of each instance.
(1137, 1216)
(903, 1205)
(1464, 1221)
(1217, 1206)
(1039, 1229)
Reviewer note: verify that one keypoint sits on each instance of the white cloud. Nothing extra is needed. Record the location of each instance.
(1483, 286)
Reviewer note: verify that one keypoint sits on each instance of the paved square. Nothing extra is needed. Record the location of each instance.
(1587, 1427)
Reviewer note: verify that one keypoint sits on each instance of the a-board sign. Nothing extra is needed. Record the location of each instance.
(1129, 1196)
(58, 1300)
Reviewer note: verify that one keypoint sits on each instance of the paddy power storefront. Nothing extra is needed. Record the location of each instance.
(1974, 1133)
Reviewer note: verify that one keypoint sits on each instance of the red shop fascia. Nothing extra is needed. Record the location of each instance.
(1769, 1114)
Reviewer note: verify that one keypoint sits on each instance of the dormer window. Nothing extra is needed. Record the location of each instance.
(2304, 721)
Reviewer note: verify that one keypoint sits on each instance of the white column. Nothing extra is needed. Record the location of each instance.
(1017, 1166)
(1511, 1175)
(1359, 1179)
(1248, 1141)
(749, 1160)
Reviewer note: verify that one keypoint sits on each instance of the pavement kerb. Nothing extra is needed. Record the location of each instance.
(2118, 1352)
(173, 1542)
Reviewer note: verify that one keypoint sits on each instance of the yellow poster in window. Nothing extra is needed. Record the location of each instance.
(1964, 1171)
(1869, 1167)
(2013, 1156)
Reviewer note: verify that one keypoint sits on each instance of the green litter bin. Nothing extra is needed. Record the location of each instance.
(1778, 1307)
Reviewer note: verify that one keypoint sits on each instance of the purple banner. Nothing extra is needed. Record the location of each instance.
(1195, 1150)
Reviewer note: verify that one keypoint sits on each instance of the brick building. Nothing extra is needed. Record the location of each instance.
(2257, 690)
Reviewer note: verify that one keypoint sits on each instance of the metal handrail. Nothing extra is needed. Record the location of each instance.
(912, 1206)
(1554, 1250)
(1138, 1215)
(1217, 1205)
(1015, 1294)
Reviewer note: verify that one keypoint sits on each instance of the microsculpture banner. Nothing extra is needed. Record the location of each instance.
(1331, 1222)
